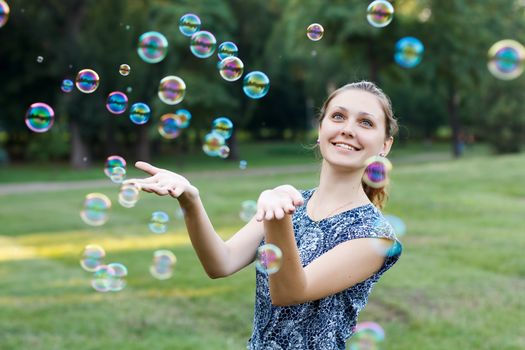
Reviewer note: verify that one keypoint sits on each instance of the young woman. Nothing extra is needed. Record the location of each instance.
(334, 240)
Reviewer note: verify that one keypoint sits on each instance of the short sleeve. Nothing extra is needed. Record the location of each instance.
(379, 227)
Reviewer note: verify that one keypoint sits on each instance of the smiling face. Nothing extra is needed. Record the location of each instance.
(353, 129)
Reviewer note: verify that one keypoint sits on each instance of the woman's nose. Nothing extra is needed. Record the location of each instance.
(348, 129)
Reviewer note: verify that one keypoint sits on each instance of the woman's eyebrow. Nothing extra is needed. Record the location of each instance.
(359, 113)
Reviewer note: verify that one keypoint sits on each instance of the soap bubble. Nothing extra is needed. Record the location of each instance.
(172, 90)
(227, 49)
(169, 126)
(119, 175)
(256, 84)
(397, 224)
(231, 68)
(117, 102)
(367, 336)
(87, 81)
(113, 162)
(124, 69)
(96, 209)
(380, 13)
(376, 172)
(163, 264)
(409, 52)
(203, 44)
(315, 31)
(4, 13)
(139, 113)
(268, 259)
(92, 257)
(67, 85)
(152, 47)
(224, 152)
(248, 210)
(158, 222)
(183, 118)
(189, 24)
(40, 59)
(39, 117)
(243, 164)
(102, 277)
(117, 281)
(222, 126)
(128, 195)
(506, 59)
(212, 144)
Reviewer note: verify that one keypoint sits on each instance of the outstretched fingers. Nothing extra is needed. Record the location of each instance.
(148, 168)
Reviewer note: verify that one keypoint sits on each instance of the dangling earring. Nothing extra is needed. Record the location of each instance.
(382, 154)
(317, 141)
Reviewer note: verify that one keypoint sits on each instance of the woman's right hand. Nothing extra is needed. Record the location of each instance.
(164, 182)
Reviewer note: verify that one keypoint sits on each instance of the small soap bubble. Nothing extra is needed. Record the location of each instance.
(169, 126)
(117, 102)
(95, 211)
(128, 27)
(158, 222)
(376, 172)
(268, 259)
(408, 52)
(183, 117)
(243, 164)
(124, 69)
(139, 113)
(4, 13)
(224, 152)
(256, 84)
(189, 24)
(152, 47)
(380, 13)
(102, 278)
(87, 81)
(213, 143)
(39, 117)
(248, 210)
(117, 281)
(128, 195)
(231, 68)
(202, 44)
(397, 224)
(172, 90)
(92, 257)
(222, 126)
(227, 49)
(315, 32)
(113, 162)
(129, 89)
(367, 336)
(506, 59)
(67, 85)
(40, 59)
(119, 175)
(162, 265)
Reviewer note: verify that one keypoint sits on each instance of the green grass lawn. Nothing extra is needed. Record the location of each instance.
(458, 285)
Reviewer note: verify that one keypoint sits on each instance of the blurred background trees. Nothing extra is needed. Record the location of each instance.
(449, 96)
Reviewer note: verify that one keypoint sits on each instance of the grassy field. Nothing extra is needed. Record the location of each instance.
(458, 285)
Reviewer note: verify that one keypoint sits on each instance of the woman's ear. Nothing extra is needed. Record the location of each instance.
(387, 145)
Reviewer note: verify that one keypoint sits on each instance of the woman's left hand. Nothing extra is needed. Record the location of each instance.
(276, 203)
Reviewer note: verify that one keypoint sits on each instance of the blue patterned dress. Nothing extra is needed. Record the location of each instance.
(324, 324)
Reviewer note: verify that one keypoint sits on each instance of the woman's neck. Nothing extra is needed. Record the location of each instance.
(338, 186)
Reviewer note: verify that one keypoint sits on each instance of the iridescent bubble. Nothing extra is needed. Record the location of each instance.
(409, 52)
(117, 102)
(189, 24)
(212, 144)
(67, 85)
(40, 59)
(231, 68)
(315, 31)
(152, 47)
(139, 113)
(87, 81)
(183, 118)
(169, 126)
(224, 152)
(119, 175)
(367, 336)
(4, 13)
(158, 222)
(113, 162)
(102, 277)
(227, 49)
(268, 259)
(376, 172)
(243, 164)
(380, 13)
(96, 209)
(256, 84)
(203, 44)
(506, 59)
(248, 210)
(163, 263)
(128, 195)
(124, 69)
(129, 89)
(117, 280)
(397, 224)
(92, 257)
(39, 117)
(172, 90)
(222, 126)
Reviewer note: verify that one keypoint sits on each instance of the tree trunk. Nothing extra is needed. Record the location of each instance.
(80, 157)
(453, 106)
(143, 147)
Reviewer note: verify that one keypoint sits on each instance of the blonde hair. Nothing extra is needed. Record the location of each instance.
(378, 196)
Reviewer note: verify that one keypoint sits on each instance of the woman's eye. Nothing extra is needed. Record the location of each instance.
(337, 117)
(366, 122)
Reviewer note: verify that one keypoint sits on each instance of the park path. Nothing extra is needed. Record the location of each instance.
(52, 186)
